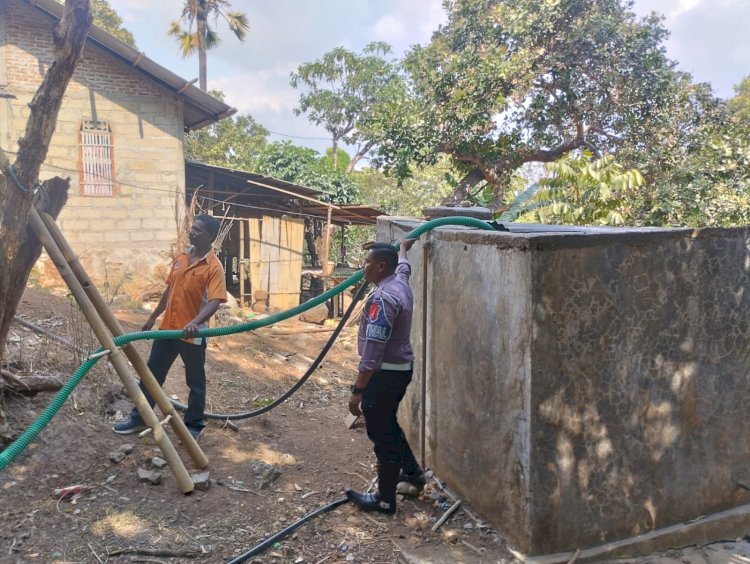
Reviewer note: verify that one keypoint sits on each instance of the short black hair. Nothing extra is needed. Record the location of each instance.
(211, 224)
(386, 253)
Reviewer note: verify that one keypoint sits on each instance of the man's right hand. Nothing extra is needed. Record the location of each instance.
(148, 325)
(354, 402)
(406, 244)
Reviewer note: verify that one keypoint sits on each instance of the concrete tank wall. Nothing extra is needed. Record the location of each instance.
(586, 385)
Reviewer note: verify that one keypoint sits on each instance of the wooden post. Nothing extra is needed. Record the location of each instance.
(327, 236)
(211, 192)
(113, 324)
(116, 358)
(342, 250)
(241, 262)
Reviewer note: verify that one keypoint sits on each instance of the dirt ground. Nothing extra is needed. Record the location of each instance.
(119, 518)
(123, 519)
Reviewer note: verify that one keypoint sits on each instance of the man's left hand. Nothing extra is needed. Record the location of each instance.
(354, 402)
(191, 330)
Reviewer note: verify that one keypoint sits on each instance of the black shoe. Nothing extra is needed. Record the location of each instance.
(129, 426)
(371, 502)
(417, 480)
(195, 433)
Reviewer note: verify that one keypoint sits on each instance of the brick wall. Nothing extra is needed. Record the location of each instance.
(131, 232)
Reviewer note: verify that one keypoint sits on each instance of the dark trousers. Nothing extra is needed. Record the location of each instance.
(379, 405)
(163, 354)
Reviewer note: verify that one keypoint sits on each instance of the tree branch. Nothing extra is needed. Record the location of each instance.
(361, 152)
(461, 192)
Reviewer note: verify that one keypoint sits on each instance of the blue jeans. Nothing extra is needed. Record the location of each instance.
(163, 354)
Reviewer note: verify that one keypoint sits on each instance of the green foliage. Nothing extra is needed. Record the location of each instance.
(586, 191)
(195, 12)
(340, 163)
(305, 166)
(710, 188)
(426, 187)
(485, 195)
(522, 202)
(342, 92)
(506, 82)
(235, 142)
(109, 20)
(740, 104)
(704, 173)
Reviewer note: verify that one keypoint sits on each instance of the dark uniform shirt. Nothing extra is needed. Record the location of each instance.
(385, 324)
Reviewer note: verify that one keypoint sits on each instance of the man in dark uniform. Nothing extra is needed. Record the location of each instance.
(385, 370)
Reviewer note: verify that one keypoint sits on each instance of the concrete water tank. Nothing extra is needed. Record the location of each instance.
(584, 386)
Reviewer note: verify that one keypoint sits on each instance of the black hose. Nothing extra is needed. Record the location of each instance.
(300, 382)
(282, 534)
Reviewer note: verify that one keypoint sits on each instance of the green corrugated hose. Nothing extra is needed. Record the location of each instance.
(18, 446)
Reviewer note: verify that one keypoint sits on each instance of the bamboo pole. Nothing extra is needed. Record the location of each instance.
(114, 326)
(116, 358)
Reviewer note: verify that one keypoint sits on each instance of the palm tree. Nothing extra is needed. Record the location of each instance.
(203, 37)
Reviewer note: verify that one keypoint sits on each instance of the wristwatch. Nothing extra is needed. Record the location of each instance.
(356, 390)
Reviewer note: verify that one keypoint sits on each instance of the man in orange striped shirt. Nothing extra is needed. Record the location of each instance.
(195, 288)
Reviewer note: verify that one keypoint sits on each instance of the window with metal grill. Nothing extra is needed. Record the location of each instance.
(97, 159)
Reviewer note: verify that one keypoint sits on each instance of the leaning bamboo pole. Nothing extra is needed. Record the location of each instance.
(116, 358)
(113, 324)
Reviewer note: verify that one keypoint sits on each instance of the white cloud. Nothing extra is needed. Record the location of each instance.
(408, 22)
(683, 6)
(708, 38)
(263, 91)
(389, 28)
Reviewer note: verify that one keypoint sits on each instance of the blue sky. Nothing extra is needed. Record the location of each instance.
(709, 38)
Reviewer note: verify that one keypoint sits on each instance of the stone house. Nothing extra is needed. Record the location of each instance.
(119, 137)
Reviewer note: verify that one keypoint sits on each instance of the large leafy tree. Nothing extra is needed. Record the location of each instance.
(507, 82)
(343, 91)
(198, 36)
(701, 175)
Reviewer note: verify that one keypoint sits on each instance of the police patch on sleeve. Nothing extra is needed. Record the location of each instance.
(378, 326)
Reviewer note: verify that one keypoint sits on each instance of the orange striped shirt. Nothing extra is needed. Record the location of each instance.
(191, 287)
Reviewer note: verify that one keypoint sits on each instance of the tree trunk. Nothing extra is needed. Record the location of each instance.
(19, 247)
(201, 20)
(310, 240)
(335, 155)
(360, 154)
(461, 192)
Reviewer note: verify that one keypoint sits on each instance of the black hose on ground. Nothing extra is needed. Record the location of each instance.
(300, 382)
(284, 533)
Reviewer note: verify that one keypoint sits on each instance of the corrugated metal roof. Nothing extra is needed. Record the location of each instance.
(353, 214)
(200, 108)
(254, 191)
(249, 183)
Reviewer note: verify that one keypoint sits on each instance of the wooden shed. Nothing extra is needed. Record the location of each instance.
(274, 225)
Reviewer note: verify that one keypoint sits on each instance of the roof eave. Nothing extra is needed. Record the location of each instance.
(202, 102)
